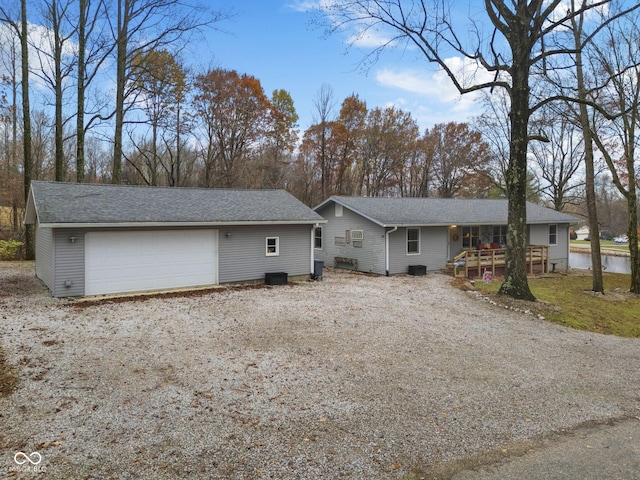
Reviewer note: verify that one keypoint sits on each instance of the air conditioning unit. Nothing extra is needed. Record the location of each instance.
(357, 234)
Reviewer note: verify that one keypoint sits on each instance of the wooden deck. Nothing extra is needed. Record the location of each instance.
(476, 263)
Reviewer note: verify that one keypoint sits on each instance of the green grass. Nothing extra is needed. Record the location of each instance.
(615, 313)
(604, 244)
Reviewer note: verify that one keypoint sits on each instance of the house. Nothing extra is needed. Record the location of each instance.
(582, 232)
(110, 239)
(389, 235)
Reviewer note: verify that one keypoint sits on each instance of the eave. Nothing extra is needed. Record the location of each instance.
(177, 224)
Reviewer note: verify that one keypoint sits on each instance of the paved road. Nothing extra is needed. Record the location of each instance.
(601, 452)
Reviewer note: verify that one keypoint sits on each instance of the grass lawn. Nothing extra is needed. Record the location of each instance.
(604, 244)
(615, 313)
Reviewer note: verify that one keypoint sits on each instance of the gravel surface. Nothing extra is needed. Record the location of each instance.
(356, 376)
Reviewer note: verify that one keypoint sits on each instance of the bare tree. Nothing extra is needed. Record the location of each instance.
(618, 140)
(93, 50)
(56, 65)
(21, 28)
(324, 103)
(139, 26)
(161, 82)
(559, 159)
(11, 185)
(513, 53)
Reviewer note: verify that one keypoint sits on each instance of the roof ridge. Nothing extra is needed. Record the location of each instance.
(160, 187)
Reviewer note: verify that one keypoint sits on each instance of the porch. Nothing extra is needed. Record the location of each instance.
(475, 263)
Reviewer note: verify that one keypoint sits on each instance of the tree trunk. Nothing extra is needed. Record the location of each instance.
(57, 60)
(515, 281)
(633, 241)
(30, 250)
(594, 229)
(121, 69)
(82, 45)
(176, 182)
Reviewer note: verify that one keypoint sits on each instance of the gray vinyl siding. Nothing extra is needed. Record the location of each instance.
(370, 256)
(559, 253)
(68, 263)
(45, 256)
(241, 255)
(242, 252)
(433, 250)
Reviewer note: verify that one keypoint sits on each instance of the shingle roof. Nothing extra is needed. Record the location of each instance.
(442, 211)
(97, 204)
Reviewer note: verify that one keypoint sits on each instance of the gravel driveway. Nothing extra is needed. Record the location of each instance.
(356, 376)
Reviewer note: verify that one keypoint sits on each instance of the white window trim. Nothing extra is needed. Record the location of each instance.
(315, 237)
(549, 234)
(419, 241)
(266, 244)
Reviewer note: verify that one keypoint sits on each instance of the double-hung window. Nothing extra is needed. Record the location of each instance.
(317, 238)
(553, 234)
(413, 241)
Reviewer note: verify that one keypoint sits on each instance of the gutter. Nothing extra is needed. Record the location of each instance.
(386, 249)
(178, 224)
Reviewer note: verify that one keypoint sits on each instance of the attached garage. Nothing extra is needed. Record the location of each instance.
(110, 239)
(133, 261)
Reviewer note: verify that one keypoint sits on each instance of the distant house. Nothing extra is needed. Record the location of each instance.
(582, 233)
(110, 239)
(389, 235)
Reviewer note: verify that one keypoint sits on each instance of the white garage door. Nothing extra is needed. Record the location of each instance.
(117, 262)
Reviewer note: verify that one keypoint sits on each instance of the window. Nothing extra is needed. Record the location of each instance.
(500, 234)
(273, 246)
(553, 234)
(317, 238)
(338, 211)
(413, 241)
(470, 237)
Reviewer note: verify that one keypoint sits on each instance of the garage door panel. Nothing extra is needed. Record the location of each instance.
(132, 261)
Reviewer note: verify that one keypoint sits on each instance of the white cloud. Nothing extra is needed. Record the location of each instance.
(306, 5)
(431, 96)
(369, 39)
(421, 82)
(40, 52)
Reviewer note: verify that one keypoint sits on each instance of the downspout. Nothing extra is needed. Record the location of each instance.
(313, 232)
(313, 248)
(386, 249)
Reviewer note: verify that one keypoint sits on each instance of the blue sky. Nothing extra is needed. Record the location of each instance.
(276, 42)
